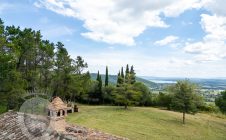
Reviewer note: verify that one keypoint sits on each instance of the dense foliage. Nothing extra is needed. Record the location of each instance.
(221, 102)
(31, 64)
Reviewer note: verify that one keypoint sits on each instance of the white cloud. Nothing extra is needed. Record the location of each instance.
(166, 41)
(213, 46)
(121, 21)
(215, 6)
(150, 65)
(118, 22)
(180, 6)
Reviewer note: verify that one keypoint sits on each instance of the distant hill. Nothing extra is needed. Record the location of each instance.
(215, 84)
(158, 83)
(113, 80)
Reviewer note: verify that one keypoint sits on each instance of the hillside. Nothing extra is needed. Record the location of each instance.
(143, 123)
(113, 80)
(214, 84)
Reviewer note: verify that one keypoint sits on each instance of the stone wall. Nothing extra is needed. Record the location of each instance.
(13, 127)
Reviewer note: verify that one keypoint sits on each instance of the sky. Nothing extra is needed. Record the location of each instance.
(164, 38)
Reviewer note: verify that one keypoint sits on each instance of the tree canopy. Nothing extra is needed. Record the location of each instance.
(221, 102)
(185, 98)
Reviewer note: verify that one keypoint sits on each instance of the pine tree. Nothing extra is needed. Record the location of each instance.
(106, 77)
(100, 84)
(118, 79)
(100, 95)
(127, 76)
(122, 75)
(98, 76)
(185, 98)
(132, 75)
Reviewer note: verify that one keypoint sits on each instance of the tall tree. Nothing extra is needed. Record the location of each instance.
(63, 71)
(46, 54)
(126, 95)
(98, 75)
(106, 77)
(100, 84)
(127, 76)
(99, 90)
(122, 75)
(80, 65)
(132, 75)
(118, 79)
(185, 98)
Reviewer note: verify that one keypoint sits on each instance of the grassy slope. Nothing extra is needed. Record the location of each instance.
(139, 123)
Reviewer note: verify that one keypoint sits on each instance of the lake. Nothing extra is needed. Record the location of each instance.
(162, 81)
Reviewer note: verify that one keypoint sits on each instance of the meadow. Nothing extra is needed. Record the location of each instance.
(145, 123)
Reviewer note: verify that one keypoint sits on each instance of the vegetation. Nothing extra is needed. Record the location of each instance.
(31, 64)
(112, 79)
(106, 77)
(221, 102)
(142, 123)
(185, 98)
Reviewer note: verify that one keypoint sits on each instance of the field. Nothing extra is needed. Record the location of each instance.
(140, 123)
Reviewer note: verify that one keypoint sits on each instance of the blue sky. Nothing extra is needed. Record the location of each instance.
(165, 38)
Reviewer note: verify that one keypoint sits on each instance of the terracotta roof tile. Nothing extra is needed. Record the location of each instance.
(57, 104)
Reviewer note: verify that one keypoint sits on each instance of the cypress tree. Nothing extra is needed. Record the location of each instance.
(118, 79)
(98, 75)
(106, 77)
(127, 76)
(100, 84)
(100, 96)
(132, 75)
(122, 75)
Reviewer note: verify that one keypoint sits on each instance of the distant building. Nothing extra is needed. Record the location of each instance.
(22, 126)
(57, 110)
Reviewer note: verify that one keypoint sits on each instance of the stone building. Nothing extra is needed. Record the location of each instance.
(21, 126)
(57, 110)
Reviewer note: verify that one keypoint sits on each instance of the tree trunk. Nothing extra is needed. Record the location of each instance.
(183, 117)
(125, 106)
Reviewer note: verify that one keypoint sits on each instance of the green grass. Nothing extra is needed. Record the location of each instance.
(2, 109)
(140, 123)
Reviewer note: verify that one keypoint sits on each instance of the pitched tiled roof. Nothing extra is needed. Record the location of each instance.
(10, 128)
(57, 104)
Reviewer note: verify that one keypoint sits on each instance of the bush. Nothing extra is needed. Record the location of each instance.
(221, 102)
(162, 100)
(3, 109)
(209, 108)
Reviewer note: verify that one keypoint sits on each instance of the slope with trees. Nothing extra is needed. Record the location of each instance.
(31, 64)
